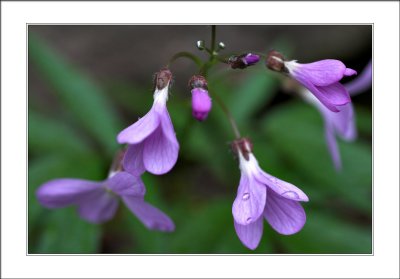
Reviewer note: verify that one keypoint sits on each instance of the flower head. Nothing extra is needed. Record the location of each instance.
(153, 144)
(341, 123)
(321, 78)
(261, 195)
(243, 61)
(97, 202)
(201, 101)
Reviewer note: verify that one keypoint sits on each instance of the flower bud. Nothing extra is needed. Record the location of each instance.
(275, 61)
(162, 78)
(201, 101)
(198, 81)
(243, 61)
(243, 146)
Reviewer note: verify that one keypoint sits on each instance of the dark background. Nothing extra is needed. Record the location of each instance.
(86, 83)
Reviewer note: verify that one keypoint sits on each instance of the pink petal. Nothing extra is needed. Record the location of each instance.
(282, 188)
(99, 207)
(133, 159)
(344, 123)
(150, 216)
(168, 127)
(126, 184)
(332, 145)
(161, 149)
(250, 200)
(331, 96)
(362, 82)
(341, 123)
(349, 72)
(65, 191)
(250, 235)
(141, 129)
(285, 216)
(322, 73)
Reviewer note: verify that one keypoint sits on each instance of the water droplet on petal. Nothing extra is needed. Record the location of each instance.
(246, 196)
(291, 195)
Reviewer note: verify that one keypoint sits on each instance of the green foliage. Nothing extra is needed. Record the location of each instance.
(60, 231)
(79, 94)
(198, 194)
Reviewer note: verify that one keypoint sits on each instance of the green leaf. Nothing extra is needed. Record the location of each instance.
(49, 135)
(296, 131)
(131, 97)
(65, 233)
(203, 228)
(364, 120)
(334, 236)
(78, 93)
(251, 95)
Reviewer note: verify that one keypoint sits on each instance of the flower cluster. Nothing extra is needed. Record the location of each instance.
(152, 146)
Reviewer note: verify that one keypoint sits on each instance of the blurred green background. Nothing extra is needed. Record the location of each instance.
(86, 83)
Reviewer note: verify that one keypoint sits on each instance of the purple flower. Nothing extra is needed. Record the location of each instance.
(261, 195)
(243, 61)
(341, 123)
(201, 101)
(97, 202)
(152, 141)
(321, 78)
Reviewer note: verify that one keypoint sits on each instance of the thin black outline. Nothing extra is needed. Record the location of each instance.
(186, 24)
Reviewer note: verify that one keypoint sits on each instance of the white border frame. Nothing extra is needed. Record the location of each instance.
(384, 263)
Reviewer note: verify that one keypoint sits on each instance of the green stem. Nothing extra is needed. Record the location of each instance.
(185, 54)
(213, 36)
(228, 115)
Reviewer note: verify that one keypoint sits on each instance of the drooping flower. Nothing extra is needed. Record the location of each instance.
(243, 61)
(321, 78)
(201, 101)
(261, 195)
(341, 123)
(97, 202)
(152, 141)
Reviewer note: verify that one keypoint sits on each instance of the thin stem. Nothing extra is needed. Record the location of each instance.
(204, 70)
(228, 115)
(185, 54)
(213, 36)
(211, 51)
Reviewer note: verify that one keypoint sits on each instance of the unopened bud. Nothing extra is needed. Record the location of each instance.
(243, 61)
(162, 78)
(201, 101)
(221, 45)
(200, 45)
(275, 61)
